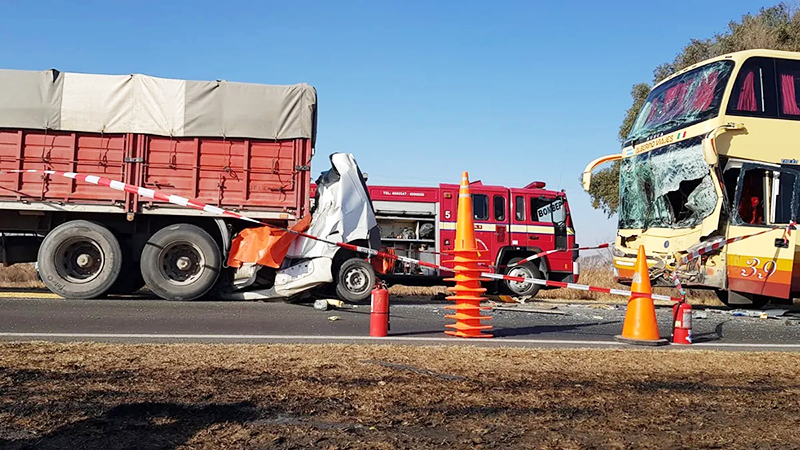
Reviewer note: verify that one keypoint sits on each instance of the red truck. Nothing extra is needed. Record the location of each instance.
(510, 224)
(245, 147)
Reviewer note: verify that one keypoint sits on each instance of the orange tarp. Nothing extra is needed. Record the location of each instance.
(265, 246)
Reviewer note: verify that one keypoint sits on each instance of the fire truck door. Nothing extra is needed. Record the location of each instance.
(485, 226)
(500, 216)
(520, 234)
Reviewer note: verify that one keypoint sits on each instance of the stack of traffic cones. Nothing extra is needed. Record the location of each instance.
(640, 326)
(468, 288)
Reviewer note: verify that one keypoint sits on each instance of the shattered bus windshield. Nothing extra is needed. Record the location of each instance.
(687, 99)
(670, 187)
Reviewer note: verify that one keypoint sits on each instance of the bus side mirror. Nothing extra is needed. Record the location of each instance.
(709, 152)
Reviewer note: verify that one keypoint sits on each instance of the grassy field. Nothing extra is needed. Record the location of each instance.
(19, 276)
(103, 396)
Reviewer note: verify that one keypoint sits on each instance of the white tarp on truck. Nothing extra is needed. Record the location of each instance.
(143, 104)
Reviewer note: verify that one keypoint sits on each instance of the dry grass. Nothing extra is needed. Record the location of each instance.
(19, 276)
(96, 396)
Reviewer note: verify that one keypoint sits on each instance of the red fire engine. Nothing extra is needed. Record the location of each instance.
(510, 223)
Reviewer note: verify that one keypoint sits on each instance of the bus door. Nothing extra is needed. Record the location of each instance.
(765, 197)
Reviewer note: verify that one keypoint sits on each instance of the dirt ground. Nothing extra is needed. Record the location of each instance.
(100, 396)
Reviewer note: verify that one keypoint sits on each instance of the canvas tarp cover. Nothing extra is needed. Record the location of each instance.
(56, 100)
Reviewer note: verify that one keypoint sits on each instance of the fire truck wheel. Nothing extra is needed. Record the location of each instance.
(354, 280)
(526, 270)
(181, 262)
(79, 259)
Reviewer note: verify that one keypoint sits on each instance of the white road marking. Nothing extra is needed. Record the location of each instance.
(366, 338)
(281, 337)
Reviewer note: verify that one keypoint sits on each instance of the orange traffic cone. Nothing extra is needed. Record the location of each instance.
(468, 288)
(640, 326)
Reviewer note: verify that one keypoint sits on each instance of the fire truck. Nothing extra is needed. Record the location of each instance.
(511, 224)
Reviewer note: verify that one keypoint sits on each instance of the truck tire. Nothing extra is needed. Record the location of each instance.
(526, 270)
(181, 262)
(79, 260)
(354, 280)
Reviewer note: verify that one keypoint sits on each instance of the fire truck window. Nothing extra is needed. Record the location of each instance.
(519, 208)
(480, 206)
(499, 208)
(540, 211)
(751, 198)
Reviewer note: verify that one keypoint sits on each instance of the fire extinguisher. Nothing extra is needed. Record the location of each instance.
(682, 332)
(379, 313)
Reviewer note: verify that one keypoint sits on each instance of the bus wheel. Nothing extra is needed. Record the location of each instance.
(354, 280)
(181, 262)
(79, 259)
(525, 270)
(735, 299)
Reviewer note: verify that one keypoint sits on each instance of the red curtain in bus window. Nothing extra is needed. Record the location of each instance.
(655, 109)
(673, 100)
(705, 92)
(788, 93)
(747, 96)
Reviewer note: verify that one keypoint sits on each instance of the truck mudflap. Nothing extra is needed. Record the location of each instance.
(291, 281)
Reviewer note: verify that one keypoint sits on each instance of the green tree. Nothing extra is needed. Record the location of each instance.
(777, 27)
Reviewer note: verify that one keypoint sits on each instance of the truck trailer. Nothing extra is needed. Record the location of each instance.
(238, 146)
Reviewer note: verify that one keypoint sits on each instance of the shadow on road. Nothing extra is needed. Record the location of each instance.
(524, 331)
(711, 336)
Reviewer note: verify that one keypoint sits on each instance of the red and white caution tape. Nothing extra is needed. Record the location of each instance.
(580, 287)
(549, 252)
(719, 243)
(678, 285)
(181, 201)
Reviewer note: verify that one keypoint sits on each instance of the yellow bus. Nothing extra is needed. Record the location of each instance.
(714, 154)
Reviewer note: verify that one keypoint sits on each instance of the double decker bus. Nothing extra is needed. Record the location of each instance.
(713, 155)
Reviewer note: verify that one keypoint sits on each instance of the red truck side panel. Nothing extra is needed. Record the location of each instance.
(234, 173)
(69, 152)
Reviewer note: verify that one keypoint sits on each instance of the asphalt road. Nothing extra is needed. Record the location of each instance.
(415, 321)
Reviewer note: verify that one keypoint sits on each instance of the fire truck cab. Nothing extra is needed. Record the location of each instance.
(510, 224)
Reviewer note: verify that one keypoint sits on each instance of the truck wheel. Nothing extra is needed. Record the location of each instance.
(355, 280)
(180, 262)
(526, 270)
(79, 259)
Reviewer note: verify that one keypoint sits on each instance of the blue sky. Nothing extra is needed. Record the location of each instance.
(418, 91)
